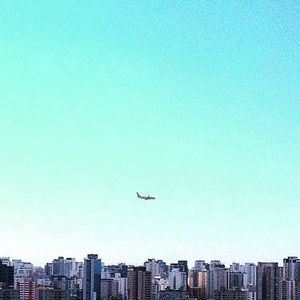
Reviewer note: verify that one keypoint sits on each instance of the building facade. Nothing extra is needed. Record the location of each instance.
(92, 278)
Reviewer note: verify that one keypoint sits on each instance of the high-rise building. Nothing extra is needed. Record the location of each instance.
(268, 279)
(230, 295)
(291, 268)
(109, 289)
(21, 268)
(6, 276)
(174, 295)
(26, 288)
(212, 279)
(177, 279)
(9, 294)
(92, 278)
(183, 267)
(7, 291)
(5, 261)
(58, 266)
(152, 266)
(70, 267)
(139, 284)
(163, 268)
(198, 283)
(217, 278)
(201, 265)
(236, 280)
(250, 275)
(287, 290)
(251, 292)
(121, 284)
(111, 270)
(236, 267)
(51, 294)
(49, 269)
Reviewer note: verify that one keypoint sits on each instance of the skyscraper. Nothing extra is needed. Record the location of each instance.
(250, 275)
(236, 280)
(201, 265)
(268, 279)
(69, 267)
(198, 283)
(139, 284)
(92, 278)
(291, 268)
(109, 288)
(58, 266)
(6, 276)
(26, 288)
(230, 295)
(177, 279)
(152, 266)
(217, 277)
(287, 290)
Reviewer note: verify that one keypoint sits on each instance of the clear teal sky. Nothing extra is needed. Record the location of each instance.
(194, 102)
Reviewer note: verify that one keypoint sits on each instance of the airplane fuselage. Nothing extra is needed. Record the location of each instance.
(145, 197)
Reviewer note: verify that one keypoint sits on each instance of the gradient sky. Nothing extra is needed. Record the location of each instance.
(194, 102)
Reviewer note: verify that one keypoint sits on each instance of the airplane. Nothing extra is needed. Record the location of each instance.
(145, 197)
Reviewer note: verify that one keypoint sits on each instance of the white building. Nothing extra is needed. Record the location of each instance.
(250, 275)
(122, 284)
(21, 268)
(177, 280)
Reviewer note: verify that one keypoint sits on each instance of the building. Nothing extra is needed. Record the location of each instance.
(109, 289)
(5, 261)
(7, 291)
(235, 280)
(198, 283)
(174, 295)
(58, 266)
(92, 278)
(212, 284)
(51, 294)
(48, 269)
(139, 284)
(287, 290)
(152, 266)
(111, 270)
(236, 267)
(121, 284)
(249, 275)
(70, 267)
(217, 278)
(230, 295)
(291, 268)
(9, 294)
(6, 276)
(21, 268)
(251, 292)
(268, 279)
(182, 265)
(177, 279)
(200, 265)
(26, 288)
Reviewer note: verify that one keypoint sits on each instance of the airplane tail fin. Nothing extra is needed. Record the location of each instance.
(138, 194)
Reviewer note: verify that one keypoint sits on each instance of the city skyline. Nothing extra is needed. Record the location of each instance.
(68, 279)
(142, 261)
(196, 103)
